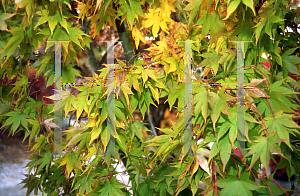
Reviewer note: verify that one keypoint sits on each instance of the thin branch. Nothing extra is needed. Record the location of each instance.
(150, 123)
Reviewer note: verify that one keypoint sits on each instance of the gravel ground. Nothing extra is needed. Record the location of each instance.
(11, 174)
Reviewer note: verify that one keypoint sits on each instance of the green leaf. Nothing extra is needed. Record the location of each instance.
(214, 151)
(126, 90)
(3, 17)
(71, 162)
(249, 3)
(119, 114)
(81, 103)
(100, 23)
(289, 61)
(29, 8)
(144, 189)
(262, 148)
(234, 186)
(16, 118)
(18, 34)
(202, 99)
(123, 9)
(135, 5)
(69, 73)
(281, 125)
(178, 93)
(5, 107)
(259, 27)
(75, 31)
(225, 150)
(68, 102)
(194, 5)
(112, 189)
(44, 161)
(52, 24)
(219, 105)
(135, 129)
(233, 4)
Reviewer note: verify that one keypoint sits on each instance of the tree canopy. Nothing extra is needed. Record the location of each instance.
(147, 72)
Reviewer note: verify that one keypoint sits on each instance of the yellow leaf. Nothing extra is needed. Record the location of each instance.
(92, 123)
(92, 151)
(98, 5)
(148, 23)
(255, 82)
(94, 134)
(137, 36)
(21, 3)
(117, 136)
(163, 26)
(151, 15)
(154, 93)
(168, 7)
(194, 169)
(126, 91)
(151, 74)
(153, 19)
(161, 47)
(155, 28)
(173, 64)
(136, 84)
(104, 138)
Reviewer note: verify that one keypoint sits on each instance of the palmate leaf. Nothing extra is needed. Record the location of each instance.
(69, 104)
(134, 8)
(137, 36)
(263, 147)
(146, 73)
(277, 104)
(18, 34)
(289, 61)
(211, 21)
(82, 103)
(131, 8)
(71, 162)
(44, 161)
(177, 93)
(112, 189)
(233, 186)
(219, 105)
(15, 119)
(69, 73)
(126, 91)
(193, 5)
(201, 101)
(158, 18)
(171, 65)
(282, 125)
